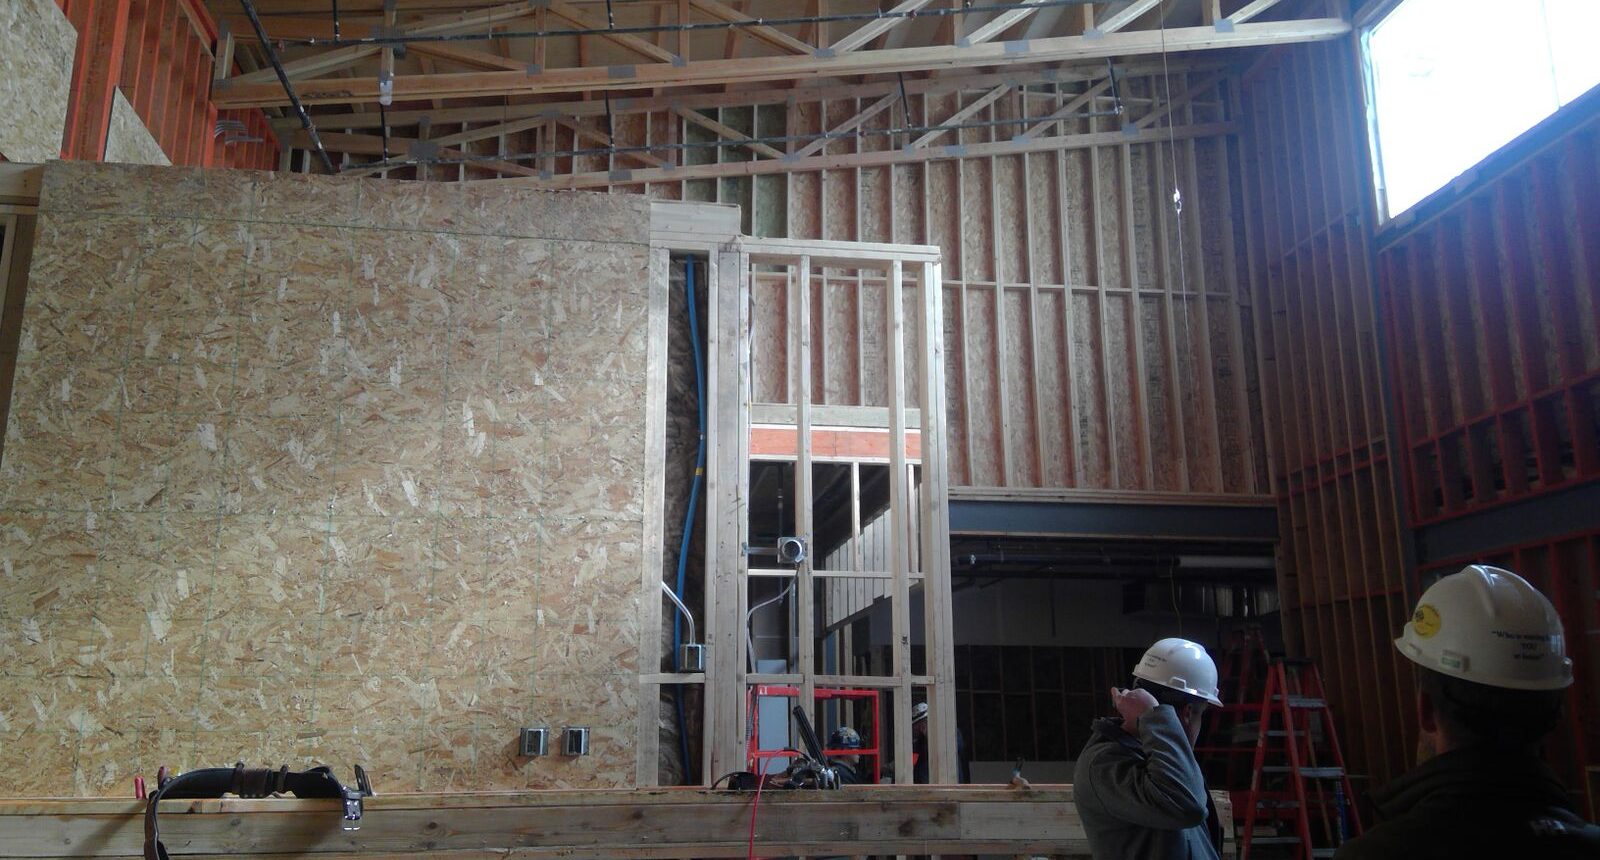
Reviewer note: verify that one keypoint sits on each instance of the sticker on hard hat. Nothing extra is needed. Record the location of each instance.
(1425, 621)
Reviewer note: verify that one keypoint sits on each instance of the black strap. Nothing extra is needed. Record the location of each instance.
(240, 780)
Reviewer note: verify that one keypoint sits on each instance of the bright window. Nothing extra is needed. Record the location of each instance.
(1453, 80)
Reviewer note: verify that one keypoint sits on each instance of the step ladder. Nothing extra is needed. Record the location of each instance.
(1299, 795)
(1228, 742)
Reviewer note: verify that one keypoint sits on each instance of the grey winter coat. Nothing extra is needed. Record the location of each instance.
(1143, 797)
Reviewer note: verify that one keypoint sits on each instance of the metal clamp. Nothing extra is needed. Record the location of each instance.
(353, 798)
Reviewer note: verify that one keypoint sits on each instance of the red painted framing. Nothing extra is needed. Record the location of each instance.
(160, 54)
(102, 33)
(1494, 310)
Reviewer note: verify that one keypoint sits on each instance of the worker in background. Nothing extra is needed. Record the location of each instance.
(1137, 785)
(846, 767)
(919, 747)
(1492, 668)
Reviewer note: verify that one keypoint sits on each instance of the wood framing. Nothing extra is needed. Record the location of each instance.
(243, 91)
(661, 823)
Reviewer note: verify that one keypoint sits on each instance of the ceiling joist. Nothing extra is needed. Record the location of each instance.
(1099, 44)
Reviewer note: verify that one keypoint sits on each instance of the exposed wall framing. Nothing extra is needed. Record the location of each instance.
(1083, 351)
(1496, 304)
(1340, 564)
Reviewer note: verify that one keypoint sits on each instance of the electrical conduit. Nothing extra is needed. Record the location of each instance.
(688, 515)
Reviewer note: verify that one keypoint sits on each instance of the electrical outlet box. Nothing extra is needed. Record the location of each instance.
(533, 742)
(575, 741)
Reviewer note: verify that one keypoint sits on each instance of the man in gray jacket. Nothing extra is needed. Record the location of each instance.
(1137, 786)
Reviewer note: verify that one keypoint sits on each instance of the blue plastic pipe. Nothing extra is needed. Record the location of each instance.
(688, 516)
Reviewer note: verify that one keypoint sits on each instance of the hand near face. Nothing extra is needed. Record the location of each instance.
(1131, 704)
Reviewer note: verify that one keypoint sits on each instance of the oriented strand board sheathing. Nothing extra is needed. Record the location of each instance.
(1089, 394)
(308, 470)
(1021, 427)
(37, 43)
(983, 390)
(127, 140)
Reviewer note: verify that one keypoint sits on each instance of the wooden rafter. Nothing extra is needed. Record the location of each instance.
(743, 98)
(723, 72)
(848, 125)
(963, 114)
(874, 29)
(1122, 14)
(1066, 110)
(602, 179)
(470, 57)
(1251, 10)
(771, 35)
(340, 58)
(727, 132)
(640, 46)
(1001, 23)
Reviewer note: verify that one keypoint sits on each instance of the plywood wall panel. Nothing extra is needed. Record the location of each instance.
(1022, 428)
(38, 42)
(368, 486)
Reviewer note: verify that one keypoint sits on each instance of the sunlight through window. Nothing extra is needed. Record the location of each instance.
(1451, 81)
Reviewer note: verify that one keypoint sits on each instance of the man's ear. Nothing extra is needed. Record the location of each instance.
(1427, 715)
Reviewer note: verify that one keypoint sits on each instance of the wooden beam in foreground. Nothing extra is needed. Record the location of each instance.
(645, 823)
(1062, 48)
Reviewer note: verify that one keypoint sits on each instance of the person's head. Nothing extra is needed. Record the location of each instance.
(845, 738)
(1179, 673)
(919, 720)
(1492, 664)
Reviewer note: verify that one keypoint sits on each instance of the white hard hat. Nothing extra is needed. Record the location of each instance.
(919, 712)
(1180, 665)
(1489, 626)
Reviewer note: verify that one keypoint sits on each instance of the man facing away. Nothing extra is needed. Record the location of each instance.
(1137, 785)
(1491, 671)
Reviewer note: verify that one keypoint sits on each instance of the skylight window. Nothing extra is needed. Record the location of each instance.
(1451, 81)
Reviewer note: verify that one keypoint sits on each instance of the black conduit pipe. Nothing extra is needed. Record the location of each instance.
(283, 78)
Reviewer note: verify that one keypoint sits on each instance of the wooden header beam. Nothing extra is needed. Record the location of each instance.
(659, 823)
(322, 91)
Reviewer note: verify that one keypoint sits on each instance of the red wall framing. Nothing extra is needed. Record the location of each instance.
(160, 53)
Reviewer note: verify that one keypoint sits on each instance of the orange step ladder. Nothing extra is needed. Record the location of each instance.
(1299, 789)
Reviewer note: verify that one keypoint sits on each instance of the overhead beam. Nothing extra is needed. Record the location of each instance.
(743, 98)
(643, 47)
(1250, 10)
(1057, 49)
(340, 58)
(763, 32)
(873, 29)
(1121, 15)
(465, 56)
(1001, 23)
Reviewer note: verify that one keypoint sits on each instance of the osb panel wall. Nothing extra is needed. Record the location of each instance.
(36, 44)
(127, 140)
(308, 470)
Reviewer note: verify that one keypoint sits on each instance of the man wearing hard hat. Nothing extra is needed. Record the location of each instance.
(1138, 788)
(1492, 667)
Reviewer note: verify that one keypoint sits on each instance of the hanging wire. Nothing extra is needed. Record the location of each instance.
(1177, 195)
